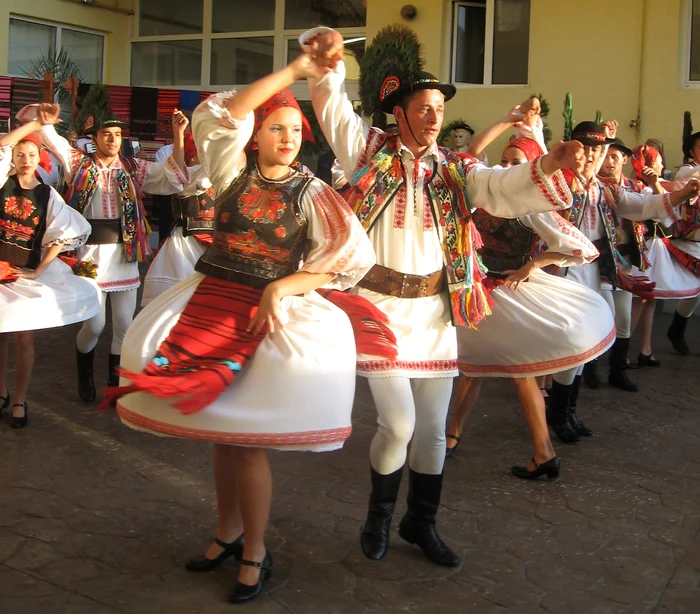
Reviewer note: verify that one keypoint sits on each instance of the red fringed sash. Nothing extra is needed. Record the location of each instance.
(369, 324)
(7, 273)
(638, 285)
(204, 351)
(689, 262)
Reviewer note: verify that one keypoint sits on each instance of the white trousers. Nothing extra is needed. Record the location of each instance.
(410, 408)
(688, 306)
(620, 303)
(123, 304)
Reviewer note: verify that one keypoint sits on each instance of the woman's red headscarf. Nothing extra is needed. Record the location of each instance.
(279, 101)
(530, 148)
(643, 156)
(190, 147)
(44, 158)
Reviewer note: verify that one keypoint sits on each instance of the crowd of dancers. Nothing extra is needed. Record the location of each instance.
(272, 291)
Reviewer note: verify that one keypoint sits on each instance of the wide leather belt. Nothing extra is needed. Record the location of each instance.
(105, 232)
(384, 280)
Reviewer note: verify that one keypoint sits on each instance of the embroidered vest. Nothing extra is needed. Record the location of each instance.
(376, 181)
(22, 223)
(259, 229)
(508, 244)
(194, 213)
(636, 250)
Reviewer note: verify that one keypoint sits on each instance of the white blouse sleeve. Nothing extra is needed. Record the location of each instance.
(64, 225)
(221, 139)
(160, 177)
(5, 163)
(688, 171)
(561, 237)
(339, 244)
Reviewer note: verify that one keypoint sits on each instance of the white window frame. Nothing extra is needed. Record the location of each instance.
(686, 42)
(59, 36)
(451, 26)
(279, 34)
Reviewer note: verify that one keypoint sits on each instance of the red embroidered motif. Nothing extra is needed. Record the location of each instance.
(407, 365)
(400, 209)
(19, 207)
(248, 242)
(262, 206)
(390, 85)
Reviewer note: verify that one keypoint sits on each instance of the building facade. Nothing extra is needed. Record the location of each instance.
(637, 61)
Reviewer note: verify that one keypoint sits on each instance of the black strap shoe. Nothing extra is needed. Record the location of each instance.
(450, 451)
(647, 360)
(19, 422)
(418, 525)
(86, 379)
(234, 549)
(374, 539)
(550, 469)
(242, 593)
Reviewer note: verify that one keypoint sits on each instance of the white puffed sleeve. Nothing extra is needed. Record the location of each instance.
(64, 225)
(561, 237)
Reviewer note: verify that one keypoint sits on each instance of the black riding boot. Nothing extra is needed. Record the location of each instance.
(86, 380)
(375, 536)
(557, 413)
(618, 366)
(418, 525)
(591, 375)
(576, 422)
(676, 334)
(112, 375)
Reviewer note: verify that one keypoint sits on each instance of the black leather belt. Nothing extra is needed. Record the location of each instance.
(105, 232)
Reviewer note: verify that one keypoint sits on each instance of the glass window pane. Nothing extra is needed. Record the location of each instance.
(469, 46)
(86, 51)
(28, 42)
(157, 17)
(304, 14)
(166, 63)
(240, 61)
(511, 41)
(694, 42)
(239, 16)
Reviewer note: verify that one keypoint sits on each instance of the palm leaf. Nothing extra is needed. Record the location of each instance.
(568, 116)
(687, 129)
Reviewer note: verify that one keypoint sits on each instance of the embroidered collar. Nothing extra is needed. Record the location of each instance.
(432, 151)
(115, 166)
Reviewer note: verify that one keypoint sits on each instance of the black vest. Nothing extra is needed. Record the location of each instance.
(194, 213)
(22, 223)
(259, 229)
(507, 243)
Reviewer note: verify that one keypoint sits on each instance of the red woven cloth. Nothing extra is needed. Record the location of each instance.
(204, 351)
(685, 259)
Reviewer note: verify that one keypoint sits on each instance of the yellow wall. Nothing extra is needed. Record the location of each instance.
(592, 48)
(115, 26)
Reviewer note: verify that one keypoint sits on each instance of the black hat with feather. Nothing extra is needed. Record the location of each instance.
(95, 113)
(392, 69)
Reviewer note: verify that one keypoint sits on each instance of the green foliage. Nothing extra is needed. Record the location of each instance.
(598, 117)
(568, 116)
(62, 67)
(687, 129)
(395, 51)
(321, 146)
(447, 130)
(96, 103)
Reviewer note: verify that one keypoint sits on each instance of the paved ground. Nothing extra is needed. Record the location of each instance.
(97, 519)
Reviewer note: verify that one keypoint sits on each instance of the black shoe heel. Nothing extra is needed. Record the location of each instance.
(202, 563)
(22, 421)
(450, 451)
(242, 593)
(648, 360)
(550, 469)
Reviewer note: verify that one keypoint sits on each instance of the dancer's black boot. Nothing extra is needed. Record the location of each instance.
(576, 422)
(418, 525)
(676, 334)
(618, 366)
(382, 500)
(591, 375)
(112, 375)
(557, 413)
(86, 380)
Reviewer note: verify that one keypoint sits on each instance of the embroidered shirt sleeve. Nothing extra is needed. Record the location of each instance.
(160, 177)
(339, 245)
(221, 139)
(640, 207)
(69, 157)
(64, 225)
(562, 237)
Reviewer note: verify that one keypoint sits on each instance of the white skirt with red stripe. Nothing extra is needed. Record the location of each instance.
(173, 263)
(295, 394)
(549, 324)
(672, 279)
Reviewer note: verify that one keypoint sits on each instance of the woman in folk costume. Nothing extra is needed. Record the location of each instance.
(414, 199)
(671, 278)
(193, 216)
(107, 188)
(685, 244)
(37, 290)
(245, 353)
(540, 323)
(596, 210)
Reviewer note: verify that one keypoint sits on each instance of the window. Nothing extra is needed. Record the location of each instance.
(30, 40)
(245, 41)
(491, 42)
(694, 63)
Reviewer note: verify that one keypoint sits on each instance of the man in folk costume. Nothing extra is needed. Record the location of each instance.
(596, 210)
(414, 200)
(107, 188)
(632, 248)
(686, 241)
